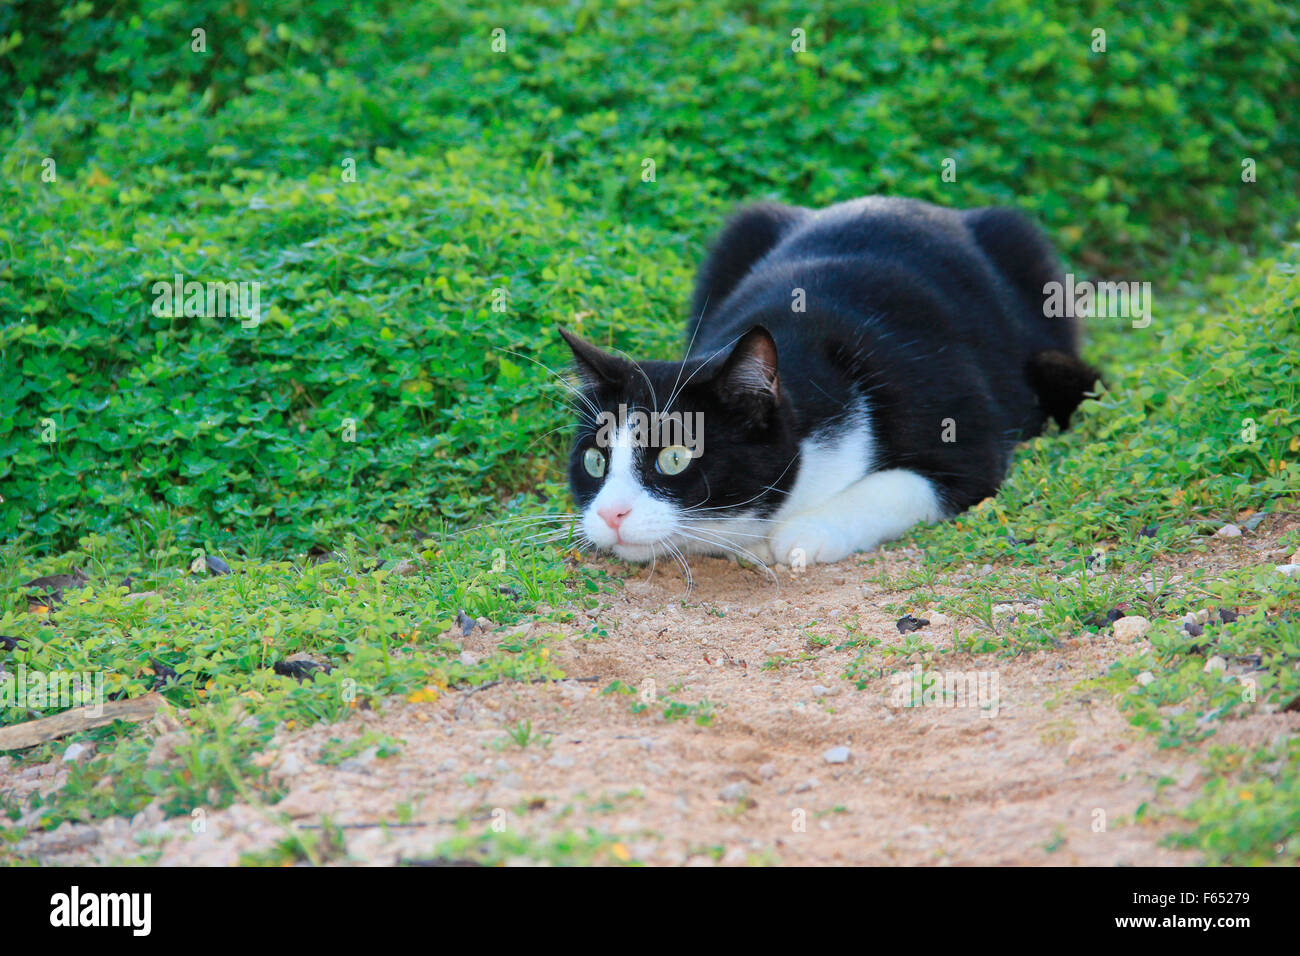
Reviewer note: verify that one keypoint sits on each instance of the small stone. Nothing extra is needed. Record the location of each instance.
(361, 762)
(1228, 531)
(1290, 570)
(820, 690)
(76, 752)
(939, 619)
(736, 856)
(69, 836)
(837, 755)
(1145, 678)
(1131, 628)
(805, 786)
(1193, 628)
(767, 771)
(468, 658)
(1254, 521)
(448, 766)
(405, 568)
(291, 765)
(734, 792)
(1215, 663)
(560, 762)
(1227, 616)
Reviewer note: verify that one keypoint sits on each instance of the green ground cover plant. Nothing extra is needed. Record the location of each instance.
(392, 181)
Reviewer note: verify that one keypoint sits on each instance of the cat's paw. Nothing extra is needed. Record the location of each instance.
(810, 539)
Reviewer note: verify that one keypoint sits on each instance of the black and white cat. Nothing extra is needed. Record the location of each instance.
(850, 372)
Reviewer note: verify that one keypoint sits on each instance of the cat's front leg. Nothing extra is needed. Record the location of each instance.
(877, 508)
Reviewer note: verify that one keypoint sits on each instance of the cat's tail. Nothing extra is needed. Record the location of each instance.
(1061, 381)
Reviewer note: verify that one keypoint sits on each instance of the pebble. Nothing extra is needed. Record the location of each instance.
(1228, 531)
(1215, 663)
(76, 752)
(406, 567)
(805, 786)
(820, 690)
(733, 792)
(291, 765)
(736, 856)
(939, 619)
(837, 755)
(767, 771)
(560, 761)
(69, 836)
(361, 762)
(1131, 628)
(1290, 570)
(1145, 678)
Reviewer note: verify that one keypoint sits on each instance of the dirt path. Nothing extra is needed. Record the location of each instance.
(1047, 776)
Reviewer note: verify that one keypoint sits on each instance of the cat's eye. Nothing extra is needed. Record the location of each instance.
(673, 460)
(594, 461)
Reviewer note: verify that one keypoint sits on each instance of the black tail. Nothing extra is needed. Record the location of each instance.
(1061, 381)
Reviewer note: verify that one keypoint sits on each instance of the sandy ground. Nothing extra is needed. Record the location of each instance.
(1044, 773)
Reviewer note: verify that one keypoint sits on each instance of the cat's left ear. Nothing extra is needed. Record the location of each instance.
(595, 368)
(749, 375)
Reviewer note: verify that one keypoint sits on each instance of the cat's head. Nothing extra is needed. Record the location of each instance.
(674, 453)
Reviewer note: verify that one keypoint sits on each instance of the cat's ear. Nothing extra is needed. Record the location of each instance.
(594, 367)
(749, 375)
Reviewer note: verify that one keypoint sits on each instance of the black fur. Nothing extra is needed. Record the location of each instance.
(934, 315)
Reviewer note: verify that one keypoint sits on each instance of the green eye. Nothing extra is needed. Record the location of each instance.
(673, 460)
(594, 462)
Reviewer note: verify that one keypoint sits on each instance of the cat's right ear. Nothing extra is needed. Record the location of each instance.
(595, 368)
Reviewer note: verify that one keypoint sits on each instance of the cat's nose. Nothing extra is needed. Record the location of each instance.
(614, 514)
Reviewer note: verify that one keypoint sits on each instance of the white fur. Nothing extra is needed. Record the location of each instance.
(836, 506)
(649, 520)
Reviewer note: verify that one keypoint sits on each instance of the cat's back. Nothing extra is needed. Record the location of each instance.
(970, 274)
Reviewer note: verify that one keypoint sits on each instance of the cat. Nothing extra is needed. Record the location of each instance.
(853, 371)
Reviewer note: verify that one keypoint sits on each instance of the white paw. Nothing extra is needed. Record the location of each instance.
(808, 539)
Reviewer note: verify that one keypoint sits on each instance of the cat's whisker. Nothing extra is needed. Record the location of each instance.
(672, 393)
(704, 364)
(728, 532)
(511, 520)
(648, 384)
(587, 402)
(686, 568)
(732, 548)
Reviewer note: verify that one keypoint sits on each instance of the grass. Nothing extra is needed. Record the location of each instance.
(422, 211)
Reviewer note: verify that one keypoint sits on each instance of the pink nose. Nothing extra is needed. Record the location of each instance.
(614, 514)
